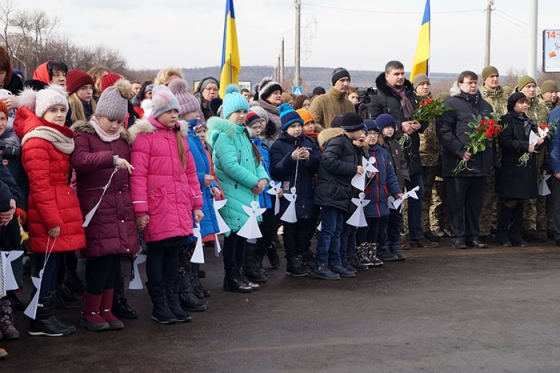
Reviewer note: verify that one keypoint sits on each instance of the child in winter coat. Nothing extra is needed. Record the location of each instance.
(80, 100)
(309, 127)
(389, 238)
(339, 164)
(189, 114)
(166, 195)
(295, 159)
(102, 156)
(54, 217)
(379, 186)
(242, 177)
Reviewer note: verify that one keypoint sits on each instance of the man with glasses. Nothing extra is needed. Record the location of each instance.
(466, 189)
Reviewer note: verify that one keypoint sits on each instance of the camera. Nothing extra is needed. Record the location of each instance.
(9, 152)
(362, 107)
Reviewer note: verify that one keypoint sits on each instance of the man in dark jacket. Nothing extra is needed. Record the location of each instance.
(395, 96)
(465, 190)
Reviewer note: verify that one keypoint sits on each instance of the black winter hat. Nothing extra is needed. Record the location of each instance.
(385, 120)
(512, 100)
(352, 122)
(339, 73)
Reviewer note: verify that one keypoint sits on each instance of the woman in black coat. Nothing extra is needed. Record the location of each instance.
(516, 181)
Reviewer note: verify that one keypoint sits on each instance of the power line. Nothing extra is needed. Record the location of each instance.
(504, 16)
(387, 12)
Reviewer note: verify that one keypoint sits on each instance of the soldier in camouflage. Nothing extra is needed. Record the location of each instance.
(494, 94)
(430, 158)
(534, 214)
(549, 95)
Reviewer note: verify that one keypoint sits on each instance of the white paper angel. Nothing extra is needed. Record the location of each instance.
(358, 218)
(359, 181)
(251, 228)
(544, 190)
(31, 309)
(8, 257)
(198, 254)
(395, 204)
(136, 281)
(221, 222)
(274, 191)
(290, 215)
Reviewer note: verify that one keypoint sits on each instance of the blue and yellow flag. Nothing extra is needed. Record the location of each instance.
(231, 66)
(422, 55)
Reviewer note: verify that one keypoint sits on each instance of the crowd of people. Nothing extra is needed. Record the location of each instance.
(98, 168)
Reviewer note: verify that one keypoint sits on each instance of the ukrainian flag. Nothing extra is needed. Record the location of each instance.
(420, 63)
(231, 66)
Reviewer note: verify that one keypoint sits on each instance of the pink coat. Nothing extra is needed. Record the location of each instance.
(160, 186)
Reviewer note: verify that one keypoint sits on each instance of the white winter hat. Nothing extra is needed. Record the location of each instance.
(46, 98)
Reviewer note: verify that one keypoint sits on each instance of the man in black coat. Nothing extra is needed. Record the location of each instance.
(396, 97)
(465, 190)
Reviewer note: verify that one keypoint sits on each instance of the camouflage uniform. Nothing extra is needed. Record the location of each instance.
(534, 211)
(548, 104)
(430, 158)
(498, 100)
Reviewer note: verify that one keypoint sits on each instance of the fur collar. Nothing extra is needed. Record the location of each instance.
(328, 134)
(381, 84)
(218, 125)
(83, 126)
(144, 126)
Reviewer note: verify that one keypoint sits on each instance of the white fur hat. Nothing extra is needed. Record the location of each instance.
(41, 101)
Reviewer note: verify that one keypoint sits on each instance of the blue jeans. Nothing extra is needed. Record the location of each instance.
(328, 243)
(415, 230)
(48, 282)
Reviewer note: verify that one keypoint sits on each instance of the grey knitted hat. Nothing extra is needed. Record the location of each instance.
(188, 102)
(113, 103)
(163, 101)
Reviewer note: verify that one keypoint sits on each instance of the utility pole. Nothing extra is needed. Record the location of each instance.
(488, 32)
(533, 25)
(297, 80)
(281, 63)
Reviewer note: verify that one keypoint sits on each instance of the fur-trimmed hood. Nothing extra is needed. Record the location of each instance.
(217, 125)
(328, 134)
(381, 84)
(456, 91)
(83, 126)
(144, 126)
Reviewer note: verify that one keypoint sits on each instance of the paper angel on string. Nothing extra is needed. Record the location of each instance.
(136, 280)
(198, 254)
(8, 257)
(544, 190)
(395, 204)
(358, 218)
(221, 222)
(274, 191)
(31, 310)
(251, 228)
(290, 215)
(359, 181)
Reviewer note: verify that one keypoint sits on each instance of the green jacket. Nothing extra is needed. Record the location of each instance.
(325, 107)
(548, 104)
(537, 112)
(236, 169)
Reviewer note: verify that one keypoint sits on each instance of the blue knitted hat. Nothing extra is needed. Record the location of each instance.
(385, 120)
(233, 101)
(371, 125)
(288, 116)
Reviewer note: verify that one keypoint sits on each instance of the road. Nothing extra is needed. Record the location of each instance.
(442, 310)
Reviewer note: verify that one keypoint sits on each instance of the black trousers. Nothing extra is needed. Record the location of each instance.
(101, 272)
(465, 197)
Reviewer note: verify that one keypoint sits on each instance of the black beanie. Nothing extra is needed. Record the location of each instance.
(512, 100)
(339, 73)
(352, 122)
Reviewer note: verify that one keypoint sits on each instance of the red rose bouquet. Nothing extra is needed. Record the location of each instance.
(424, 111)
(484, 131)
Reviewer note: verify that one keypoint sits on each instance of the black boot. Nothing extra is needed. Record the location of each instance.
(232, 282)
(172, 288)
(198, 290)
(372, 255)
(243, 277)
(515, 229)
(161, 312)
(357, 264)
(56, 299)
(252, 270)
(273, 257)
(294, 267)
(188, 300)
(502, 226)
(46, 323)
(121, 308)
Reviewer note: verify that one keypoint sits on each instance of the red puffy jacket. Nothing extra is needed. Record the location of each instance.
(52, 203)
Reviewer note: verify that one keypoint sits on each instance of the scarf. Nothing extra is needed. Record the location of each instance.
(104, 136)
(408, 110)
(528, 124)
(61, 143)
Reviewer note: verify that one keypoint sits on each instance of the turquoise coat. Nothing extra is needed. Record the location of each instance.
(236, 169)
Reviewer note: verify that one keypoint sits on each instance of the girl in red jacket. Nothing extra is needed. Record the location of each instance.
(54, 216)
(102, 153)
(166, 196)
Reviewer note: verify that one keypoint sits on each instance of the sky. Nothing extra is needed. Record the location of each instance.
(357, 34)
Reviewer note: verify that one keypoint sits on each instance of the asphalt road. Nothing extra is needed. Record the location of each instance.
(442, 310)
